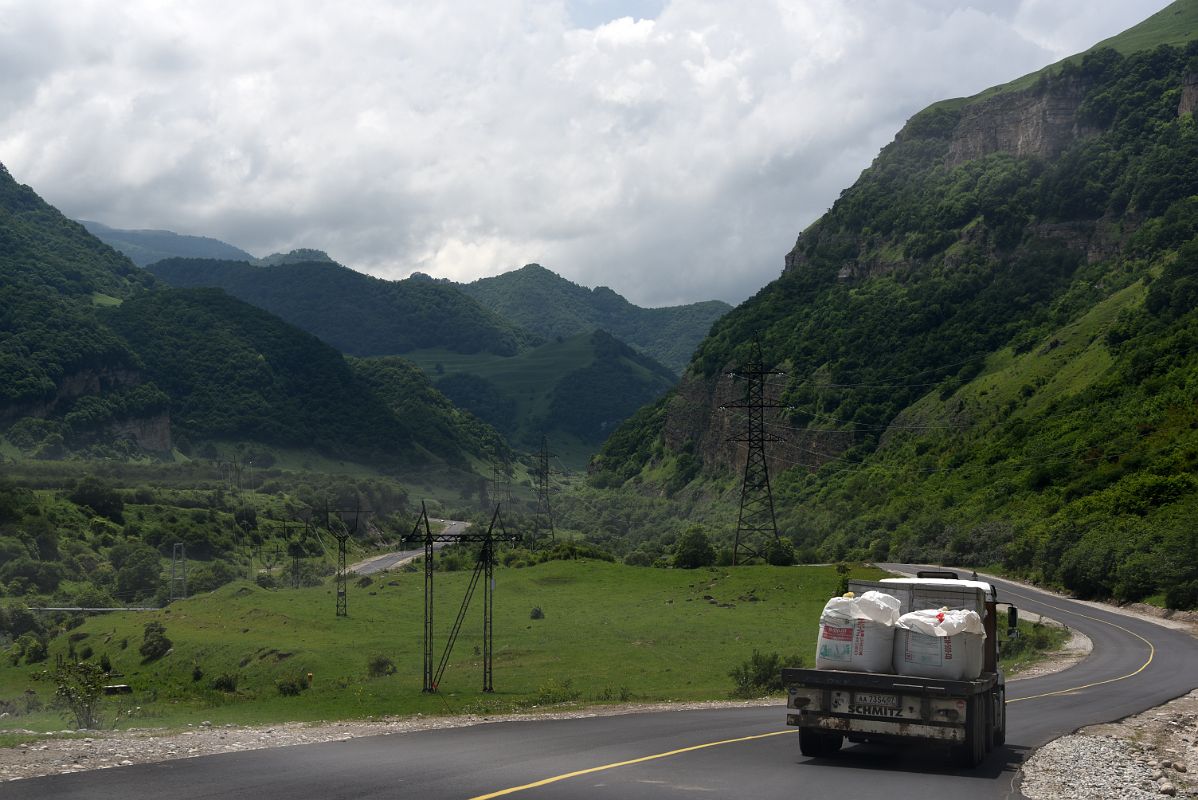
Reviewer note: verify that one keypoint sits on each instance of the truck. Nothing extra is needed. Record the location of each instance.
(970, 716)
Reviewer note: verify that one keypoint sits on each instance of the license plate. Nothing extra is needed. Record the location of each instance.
(876, 700)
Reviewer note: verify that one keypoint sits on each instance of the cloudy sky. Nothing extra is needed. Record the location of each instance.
(670, 149)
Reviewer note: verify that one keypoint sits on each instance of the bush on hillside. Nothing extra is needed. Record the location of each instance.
(379, 666)
(154, 644)
(694, 550)
(761, 674)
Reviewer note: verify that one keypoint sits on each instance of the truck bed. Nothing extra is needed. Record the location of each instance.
(886, 682)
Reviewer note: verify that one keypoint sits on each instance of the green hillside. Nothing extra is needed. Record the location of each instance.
(552, 307)
(990, 353)
(575, 390)
(144, 247)
(358, 314)
(98, 360)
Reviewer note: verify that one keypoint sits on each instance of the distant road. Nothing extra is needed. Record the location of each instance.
(400, 557)
(714, 753)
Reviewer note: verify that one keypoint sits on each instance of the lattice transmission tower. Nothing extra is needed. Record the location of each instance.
(544, 517)
(756, 527)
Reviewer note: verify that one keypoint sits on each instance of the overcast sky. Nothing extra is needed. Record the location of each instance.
(669, 149)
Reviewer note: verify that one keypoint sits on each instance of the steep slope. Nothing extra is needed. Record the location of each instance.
(358, 314)
(144, 247)
(989, 340)
(57, 359)
(552, 307)
(97, 359)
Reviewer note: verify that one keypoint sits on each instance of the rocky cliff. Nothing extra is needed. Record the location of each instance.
(1189, 95)
(697, 417)
(1041, 121)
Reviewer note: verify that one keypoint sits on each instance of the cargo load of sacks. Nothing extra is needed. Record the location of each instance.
(943, 644)
(857, 633)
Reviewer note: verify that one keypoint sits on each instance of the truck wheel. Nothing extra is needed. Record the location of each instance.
(817, 744)
(990, 721)
(973, 751)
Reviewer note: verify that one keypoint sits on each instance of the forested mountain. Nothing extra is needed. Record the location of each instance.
(576, 390)
(144, 247)
(358, 314)
(98, 359)
(990, 342)
(551, 306)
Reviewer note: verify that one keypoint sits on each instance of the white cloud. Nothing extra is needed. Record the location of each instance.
(671, 151)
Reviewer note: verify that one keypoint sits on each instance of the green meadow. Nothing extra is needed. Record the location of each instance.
(608, 633)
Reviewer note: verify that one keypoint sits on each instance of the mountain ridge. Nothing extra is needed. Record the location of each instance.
(988, 344)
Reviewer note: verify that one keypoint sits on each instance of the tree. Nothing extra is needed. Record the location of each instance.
(79, 687)
(140, 574)
(154, 644)
(780, 553)
(694, 549)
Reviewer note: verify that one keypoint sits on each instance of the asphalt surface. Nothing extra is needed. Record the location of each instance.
(1135, 665)
(392, 560)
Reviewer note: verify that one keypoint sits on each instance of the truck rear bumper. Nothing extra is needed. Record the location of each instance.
(877, 727)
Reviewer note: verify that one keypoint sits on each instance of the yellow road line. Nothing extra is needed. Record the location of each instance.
(640, 760)
(1144, 666)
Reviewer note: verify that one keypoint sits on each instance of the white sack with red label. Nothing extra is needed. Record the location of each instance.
(857, 633)
(944, 644)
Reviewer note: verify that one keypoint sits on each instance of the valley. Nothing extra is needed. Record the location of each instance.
(983, 354)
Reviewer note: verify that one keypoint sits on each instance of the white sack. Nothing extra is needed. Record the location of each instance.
(857, 633)
(944, 644)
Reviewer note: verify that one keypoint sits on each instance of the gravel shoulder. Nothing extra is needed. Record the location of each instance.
(108, 749)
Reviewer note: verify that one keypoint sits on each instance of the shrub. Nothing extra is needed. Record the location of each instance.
(78, 687)
(555, 691)
(761, 674)
(154, 644)
(225, 682)
(780, 553)
(379, 666)
(536, 613)
(694, 550)
(291, 686)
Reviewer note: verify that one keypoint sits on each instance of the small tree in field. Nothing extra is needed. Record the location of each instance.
(80, 688)
(694, 549)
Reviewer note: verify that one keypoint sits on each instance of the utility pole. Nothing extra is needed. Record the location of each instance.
(341, 534)
(756, 526)
(544, 517)
(501, 482)
(484, 569)
(178, 573)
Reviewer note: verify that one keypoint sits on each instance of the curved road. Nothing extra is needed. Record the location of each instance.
(392, 560)
(723, 753)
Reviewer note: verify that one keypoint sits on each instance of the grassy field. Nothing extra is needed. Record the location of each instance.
(609, 632)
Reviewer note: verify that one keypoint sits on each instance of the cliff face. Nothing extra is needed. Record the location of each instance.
(1189, 95)
(695, 417)
(70, 387)
(1034, 122)
(150, 433)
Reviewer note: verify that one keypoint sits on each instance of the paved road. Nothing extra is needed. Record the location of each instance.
(400, 557)
(727, 753)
